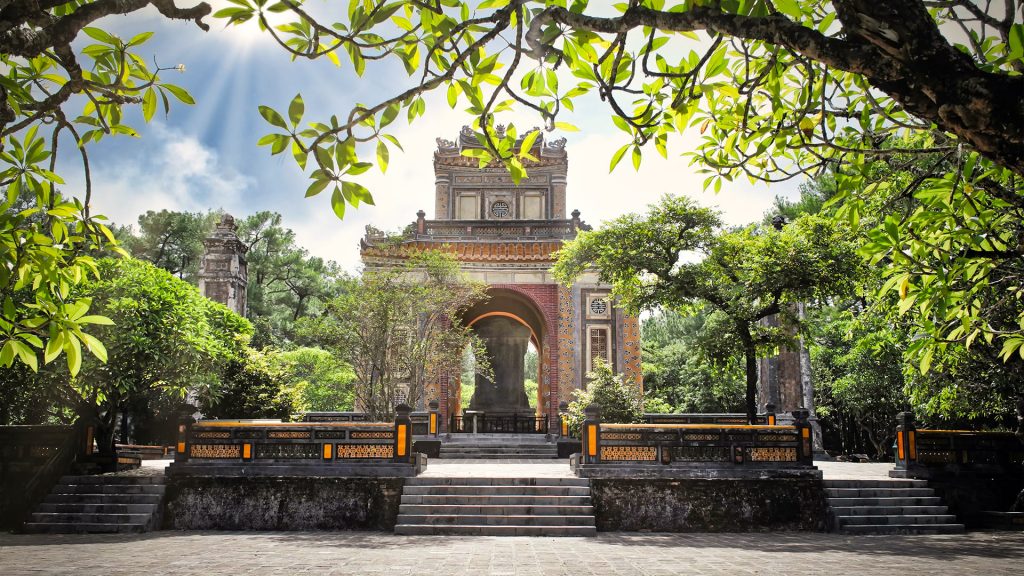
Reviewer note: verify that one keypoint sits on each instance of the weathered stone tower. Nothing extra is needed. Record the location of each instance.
(784, 380)
(505, 235)
(223, 273)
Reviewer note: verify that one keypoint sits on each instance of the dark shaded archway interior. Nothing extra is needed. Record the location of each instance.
(506, 323)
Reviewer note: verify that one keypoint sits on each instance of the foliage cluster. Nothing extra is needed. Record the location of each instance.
(397, 326)
(679, 256)
(620, 402)
(691, 363)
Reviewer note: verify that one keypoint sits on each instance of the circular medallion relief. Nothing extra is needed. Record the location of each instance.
(598, 306)
(500, 209)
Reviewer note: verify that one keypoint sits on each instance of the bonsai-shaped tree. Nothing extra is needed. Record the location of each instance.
(679, 256)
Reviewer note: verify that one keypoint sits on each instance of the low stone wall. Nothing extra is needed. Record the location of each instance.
(970, 494)
(709, 505)
(281, 503)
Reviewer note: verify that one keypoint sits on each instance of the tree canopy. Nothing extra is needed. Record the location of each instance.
(678, 255)
(163, 336)
(767, 90)
(397, 327)
(65, 85)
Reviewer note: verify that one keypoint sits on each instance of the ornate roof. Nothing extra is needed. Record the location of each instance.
(542, 148)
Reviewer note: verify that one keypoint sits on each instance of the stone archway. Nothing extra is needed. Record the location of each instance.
(507, 323)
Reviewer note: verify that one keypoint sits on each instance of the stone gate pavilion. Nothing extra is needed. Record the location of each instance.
(505, 235)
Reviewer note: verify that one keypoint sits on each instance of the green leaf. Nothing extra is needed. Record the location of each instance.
(140, 38)
(356, 193)
(97, 34)
(528, 142)
(271, 116)
(316, 187)
(95, 346)
(53, 348)
(73, 350)
(179, 93)
(636, 158)
(383, 155)
(148, 104)
(790, 8)
(389, 115)
(338, 203)
(618, 156)
(295, 110)
(96, 319)
(1016, 42)
(26, 354)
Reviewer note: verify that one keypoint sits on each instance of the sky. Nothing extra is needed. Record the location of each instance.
(205, 156)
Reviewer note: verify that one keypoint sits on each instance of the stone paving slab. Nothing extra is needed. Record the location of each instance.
(272, 553)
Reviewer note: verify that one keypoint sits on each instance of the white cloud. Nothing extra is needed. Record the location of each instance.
(168, 170)
(601, 196)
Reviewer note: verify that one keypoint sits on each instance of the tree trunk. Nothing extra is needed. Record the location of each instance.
(1018, 506)
(750, 356)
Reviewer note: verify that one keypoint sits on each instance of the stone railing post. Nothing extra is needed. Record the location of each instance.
(591, 435)
(185, 421)
(769, 411)
(563, 419)
(403, 433)
(906, 440)
(804, 450)
(434, 422)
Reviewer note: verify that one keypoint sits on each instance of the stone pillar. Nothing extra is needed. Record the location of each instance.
(223, 273)
(558, 186)
(785, 379)
(506, 341)
(443, 209)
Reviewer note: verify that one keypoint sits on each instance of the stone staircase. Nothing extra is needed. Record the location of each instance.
(99, 504)
(496, 507)
(498, 447)
(888, 507)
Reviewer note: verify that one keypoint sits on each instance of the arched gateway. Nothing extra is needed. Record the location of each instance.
(505, 235)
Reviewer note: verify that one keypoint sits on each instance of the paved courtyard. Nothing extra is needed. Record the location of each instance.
(273, 553)
(643, 554)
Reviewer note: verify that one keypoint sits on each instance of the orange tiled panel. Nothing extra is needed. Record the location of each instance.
(566, 344)
(632, 366)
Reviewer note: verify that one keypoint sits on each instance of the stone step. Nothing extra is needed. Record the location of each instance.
(498, 449)
(498, 457)
(451, 445)
(878, 492)
(88, 518)
(896, 483)
(496, 520)
(537, 440)
(491, 490)
(501, 481)
(283, 468)
(888, 510)
(75, 528)
(495, 437)
(109, 480)
(157, 489)
(487, 510)
(66, 508)
(857, 520)
(493, 530)
(464, 500)
(81, 498)
(904, 529)
(878, 501)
